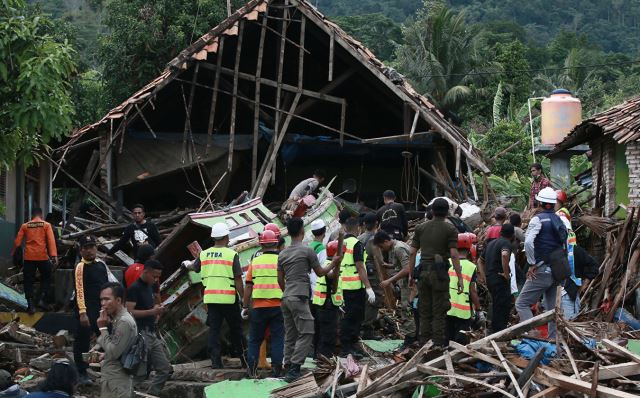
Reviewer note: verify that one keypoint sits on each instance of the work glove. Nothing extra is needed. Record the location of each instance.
(245, 313)
(188, 264)
(481, 316)
(371, 296)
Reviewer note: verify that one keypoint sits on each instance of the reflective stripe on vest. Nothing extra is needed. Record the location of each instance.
(320, 291)
(460, 305)
(264, 274)
(349, 277)
(217, 275)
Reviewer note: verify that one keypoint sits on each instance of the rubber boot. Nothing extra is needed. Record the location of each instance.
(276, 371)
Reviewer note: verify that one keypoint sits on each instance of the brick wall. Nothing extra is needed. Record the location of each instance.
(604, 148)
(632, 152)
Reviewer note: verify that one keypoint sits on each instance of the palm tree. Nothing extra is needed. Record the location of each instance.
(439, 56)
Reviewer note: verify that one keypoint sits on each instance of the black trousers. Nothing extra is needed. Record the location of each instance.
(216, 313)
(326, 329)
(501, 302)
(453, 327)
(82, 337)
(354, 305)
(29, 272)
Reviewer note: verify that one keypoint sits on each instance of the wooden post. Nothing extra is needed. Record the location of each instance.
(282, 46)
(256, 110)
(264, 180)
(187, 118)
(332, 42)
(343, 119)
(214, 95)
(234, 97)
(414, 125)
(471, 180)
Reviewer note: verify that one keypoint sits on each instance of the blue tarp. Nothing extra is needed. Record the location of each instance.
(528, 348)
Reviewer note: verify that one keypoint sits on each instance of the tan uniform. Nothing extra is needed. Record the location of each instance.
(115, 382)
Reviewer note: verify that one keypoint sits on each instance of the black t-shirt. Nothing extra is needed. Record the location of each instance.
(492, 255)
(142, 294)
(393, 219)
(138, 234)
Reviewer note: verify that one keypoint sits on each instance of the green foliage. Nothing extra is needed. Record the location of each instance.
(612, 25)
(512, 60)
(379, 33)
(439, 55)
(89, 89)
(35, 93)
(397, 10)
(144, 35)
(504, 134)
(513, 187)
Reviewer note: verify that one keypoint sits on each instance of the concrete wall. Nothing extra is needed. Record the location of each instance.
(632, 152)
(604, 152)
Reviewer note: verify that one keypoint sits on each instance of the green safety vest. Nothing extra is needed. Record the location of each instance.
(320, 291)
(460, 304)
(349, 277)
(264, 274)
(217, 275)
(316, 246)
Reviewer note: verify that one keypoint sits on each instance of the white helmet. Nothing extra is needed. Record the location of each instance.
(219, 230)
(547, 195)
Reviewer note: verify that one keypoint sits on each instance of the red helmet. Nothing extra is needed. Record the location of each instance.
(465, 240)
(562, 196)
(332, 248)
(273, 228)
(268, 237)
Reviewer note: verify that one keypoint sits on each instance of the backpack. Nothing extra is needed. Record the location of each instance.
(134, 360)
(558, 259)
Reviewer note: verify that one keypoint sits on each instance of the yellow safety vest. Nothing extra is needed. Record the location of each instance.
(460, 304)
(349, 277)
(217, 275)
(320, 291)
(264, 274)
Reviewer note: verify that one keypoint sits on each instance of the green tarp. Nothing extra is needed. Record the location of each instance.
(247, 388)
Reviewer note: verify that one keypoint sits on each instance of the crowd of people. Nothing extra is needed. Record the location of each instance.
(314, 299)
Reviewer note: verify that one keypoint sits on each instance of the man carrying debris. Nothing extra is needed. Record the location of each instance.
(90, 275)
(264, 293)
(139, 232)
(398, 254)
(495, 261)
(392, 217)
(308, 186)
(141, 303)
(356, 289)
(327, 300)
(459, 315)
(39, 248)
(294, 264)
(546, 233)
(539, 183)
(221, 274)
(115, 382)
(370, 221)
(438, 241)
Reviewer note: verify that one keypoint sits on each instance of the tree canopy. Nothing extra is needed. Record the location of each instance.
(35, 92)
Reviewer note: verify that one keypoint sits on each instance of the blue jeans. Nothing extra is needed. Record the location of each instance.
(570, 308)
(261, 318)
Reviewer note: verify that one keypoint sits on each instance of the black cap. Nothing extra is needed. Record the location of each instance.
(440, 204)
(370, 218)
(87, 240)
(389, 194)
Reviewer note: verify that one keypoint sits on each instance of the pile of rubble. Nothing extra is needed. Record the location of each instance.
(586, 358)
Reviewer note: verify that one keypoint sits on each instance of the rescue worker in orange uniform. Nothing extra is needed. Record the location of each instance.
(264, 293)
(39, 250)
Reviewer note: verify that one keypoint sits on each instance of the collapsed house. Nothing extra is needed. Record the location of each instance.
(257, 103)
(614, 138)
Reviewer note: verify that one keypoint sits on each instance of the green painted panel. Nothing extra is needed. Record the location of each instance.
(383, 345)
(243, 388)
(7, 235)
(622, 179)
